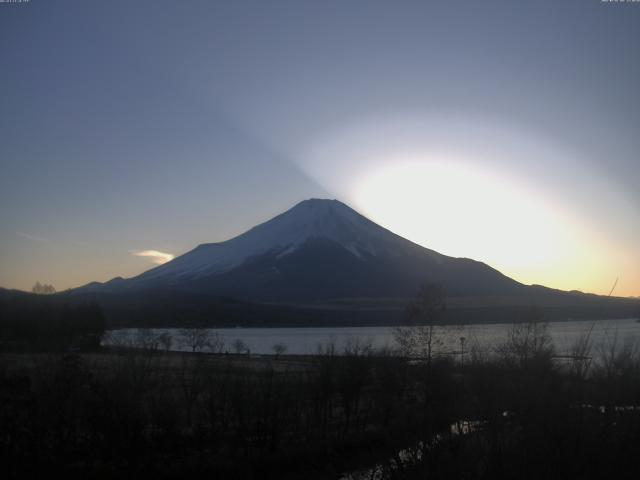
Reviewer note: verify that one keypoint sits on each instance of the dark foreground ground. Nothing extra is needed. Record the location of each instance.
(520, 413)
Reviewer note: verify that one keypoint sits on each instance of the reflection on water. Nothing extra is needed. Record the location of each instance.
(413, 455)
(300, 341)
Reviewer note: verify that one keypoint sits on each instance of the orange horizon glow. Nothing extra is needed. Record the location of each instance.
(458, 211)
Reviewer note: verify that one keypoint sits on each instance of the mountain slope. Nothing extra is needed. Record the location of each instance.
(312, 219)
(317, 250)
(320, 264)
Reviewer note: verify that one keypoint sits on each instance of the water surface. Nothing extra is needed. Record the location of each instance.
(302, 341)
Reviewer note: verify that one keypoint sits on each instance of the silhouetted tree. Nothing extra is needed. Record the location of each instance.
(239, 346)
(279, 349)
(528, 340)
(196, 338)
(43, 289)
(424, 312)
(215, 343)
(42, 323)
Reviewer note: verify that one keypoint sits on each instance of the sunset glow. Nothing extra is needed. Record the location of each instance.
(465, 212)
(503, 133)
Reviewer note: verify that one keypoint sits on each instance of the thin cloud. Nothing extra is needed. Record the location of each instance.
(156, 256)
(33, 238)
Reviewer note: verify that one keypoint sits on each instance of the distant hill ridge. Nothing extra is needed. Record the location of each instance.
(321, 255)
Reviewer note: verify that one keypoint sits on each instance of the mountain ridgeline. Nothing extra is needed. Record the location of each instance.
(317, 250)
(320, 262)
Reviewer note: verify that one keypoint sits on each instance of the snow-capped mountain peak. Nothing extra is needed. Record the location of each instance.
(308, 220)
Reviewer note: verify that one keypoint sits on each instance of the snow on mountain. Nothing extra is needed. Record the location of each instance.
(326, 262)
(283, 235)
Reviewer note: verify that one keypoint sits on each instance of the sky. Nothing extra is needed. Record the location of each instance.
(507, 132)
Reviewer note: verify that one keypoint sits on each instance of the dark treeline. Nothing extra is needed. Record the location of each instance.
(39, 322)
(517, 413)
(176, 309)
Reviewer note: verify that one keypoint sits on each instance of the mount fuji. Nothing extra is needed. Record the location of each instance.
(322, 263)
(317, 250)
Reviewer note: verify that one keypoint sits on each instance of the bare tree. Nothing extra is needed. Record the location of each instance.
(216, 343)
(580, 352)
(356, 346)
(529, 340)
(328, 348)
(196, 338)
(279, 349)
(239, 346)
(424, 312)
(43, 289)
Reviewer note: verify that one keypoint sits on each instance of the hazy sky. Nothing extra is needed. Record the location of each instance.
(504, 131)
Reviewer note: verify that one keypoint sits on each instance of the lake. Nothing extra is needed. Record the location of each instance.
(301, 341)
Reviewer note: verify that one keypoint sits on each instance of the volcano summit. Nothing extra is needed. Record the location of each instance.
(323, 256)
(317, 250)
